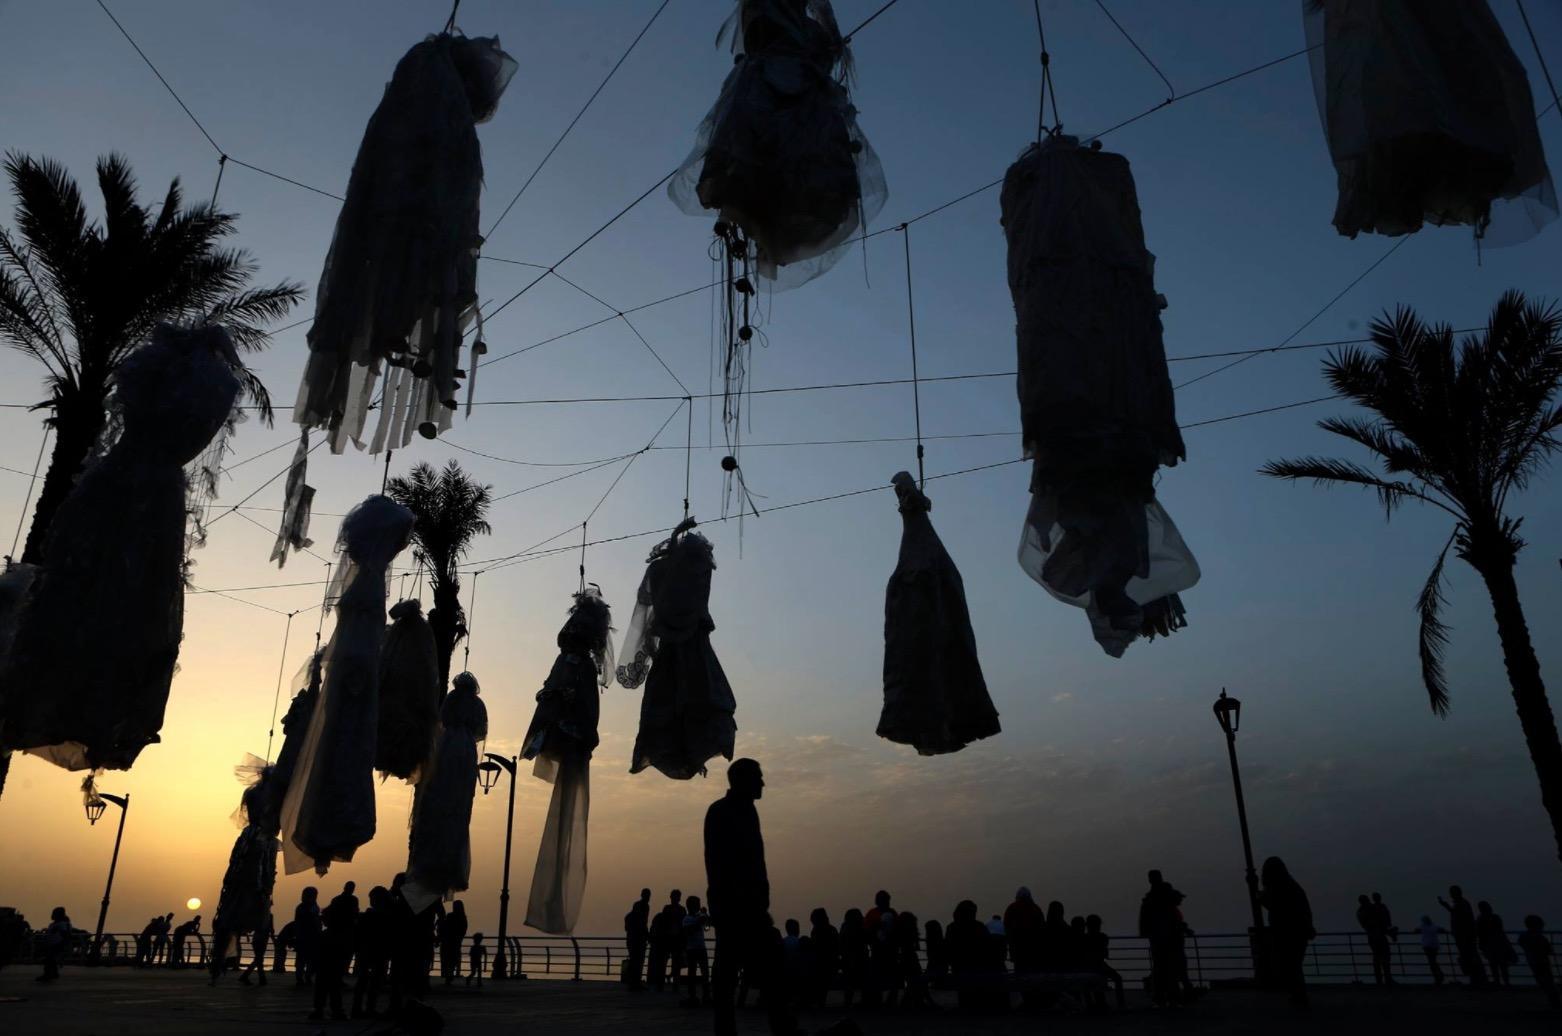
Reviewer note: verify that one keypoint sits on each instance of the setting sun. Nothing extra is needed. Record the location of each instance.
(193, 903)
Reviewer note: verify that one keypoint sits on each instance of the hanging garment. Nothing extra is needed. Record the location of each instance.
(295, 731)
(95, 646)
(1429, 118)
(439, 849)
(562, 736)
(935, 698)
(1096, 405)
(686, 711)
(400, 280)
(409, 694)
(328, 811)
(780, 154)
(245, 903)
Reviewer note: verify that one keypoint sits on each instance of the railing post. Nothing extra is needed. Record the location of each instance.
(547, 959)
(1350, 944)
(576, 944)
(1198, 959)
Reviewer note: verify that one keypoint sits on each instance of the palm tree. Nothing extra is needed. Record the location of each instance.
(80, 296)
(451, 508)
(1460, 429)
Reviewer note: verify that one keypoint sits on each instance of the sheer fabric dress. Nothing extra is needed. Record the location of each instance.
(244, 905)
(1096, 407)
(686, 711)
(780, 154)
(97, 641)
(328, 811)
(1429, 118)
(561, 738)
(439, 851)
(400, 280)
(935, 697)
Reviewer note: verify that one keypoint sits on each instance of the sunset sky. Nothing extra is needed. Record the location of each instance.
(1104, 767)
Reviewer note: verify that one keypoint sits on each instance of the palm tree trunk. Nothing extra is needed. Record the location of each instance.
(1529, 693)
(77, 425)
(445, 621)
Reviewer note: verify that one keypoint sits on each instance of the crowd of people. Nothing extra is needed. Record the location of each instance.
(384, 948)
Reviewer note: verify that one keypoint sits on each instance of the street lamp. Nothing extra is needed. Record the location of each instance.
(95, 807)
(487, 777)
(1228, 712)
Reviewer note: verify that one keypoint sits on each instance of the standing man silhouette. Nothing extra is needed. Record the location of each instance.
(739, 899)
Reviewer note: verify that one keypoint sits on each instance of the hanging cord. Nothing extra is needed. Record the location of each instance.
(222, 163)
(471, 610)
(277, 697)
(582, 557)
(911, 320)
(324, 601)
(1171, 90)
(22, 518)
(385, 478)
(868, 21)
(450, 23)
(1556, 99)
(688, 454)
(1047, 85)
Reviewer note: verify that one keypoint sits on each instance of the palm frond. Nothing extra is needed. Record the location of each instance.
(1433, 638)
(1328, 471)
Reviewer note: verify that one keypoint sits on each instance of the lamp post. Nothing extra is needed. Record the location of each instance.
(1228, 713)
(95, 807)
(487, 777)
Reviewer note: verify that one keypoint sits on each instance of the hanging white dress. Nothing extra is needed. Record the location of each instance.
(1429, 118)
(1096, 406)
(562, 736)
(780, 154)
(96, 644)
(686, 711)
(328, 811)
(935, 698)
(409, 694)
(400, 280)
(439, 847)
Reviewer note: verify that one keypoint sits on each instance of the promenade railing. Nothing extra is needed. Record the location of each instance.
(1332, 958)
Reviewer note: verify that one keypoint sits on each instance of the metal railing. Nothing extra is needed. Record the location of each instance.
(1332, 958)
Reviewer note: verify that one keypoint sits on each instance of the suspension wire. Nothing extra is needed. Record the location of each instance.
(471, 610)
(561, 478)
(223, 156)
(1556, 99)
(534, 551)
(234, 508)
(868, 21)
(619, 314)
(582, 557)
(589, 101)
(916, 391)
(1171, 90)
(276, 698)
(450, 23)
(1306, 323)
(533, 463)
(385, 478)
(32, 480)
(1047, 84)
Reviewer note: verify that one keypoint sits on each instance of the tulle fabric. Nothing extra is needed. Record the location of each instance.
(935, 698)
(409, 694)
(687, 708)
(1096, 406)
(244, 904)
(561, 738)
(439, 849)
(97, 643)
(328, 811)
(1429, 119)
(400, 281)
(780, 154)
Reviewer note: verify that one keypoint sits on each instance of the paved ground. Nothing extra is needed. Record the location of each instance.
(124, 1002)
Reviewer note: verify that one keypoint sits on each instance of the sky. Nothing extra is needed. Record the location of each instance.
(1105, 767)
